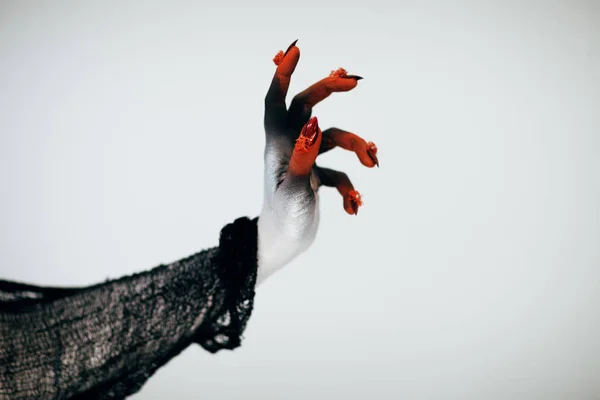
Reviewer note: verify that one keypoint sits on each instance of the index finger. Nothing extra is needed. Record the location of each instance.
(286, 64)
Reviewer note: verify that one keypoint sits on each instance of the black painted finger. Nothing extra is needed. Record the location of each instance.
(275, 108)
(352, 200)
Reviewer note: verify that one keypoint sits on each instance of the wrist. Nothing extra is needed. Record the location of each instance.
(278, 245)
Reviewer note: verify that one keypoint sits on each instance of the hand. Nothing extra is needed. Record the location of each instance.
(289, 219)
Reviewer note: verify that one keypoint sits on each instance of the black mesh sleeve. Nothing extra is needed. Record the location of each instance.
(105, 341)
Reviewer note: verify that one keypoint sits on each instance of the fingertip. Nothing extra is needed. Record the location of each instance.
(342, 81)
(306, 149)
(366, 160)
(368, 155)
(350, 83)
(289, 61)
(352, 202)
(290, 46)
(342, 84)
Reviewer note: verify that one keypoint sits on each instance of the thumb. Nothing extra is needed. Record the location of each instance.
(306, 149)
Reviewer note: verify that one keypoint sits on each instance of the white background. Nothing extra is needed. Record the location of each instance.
(130, 133)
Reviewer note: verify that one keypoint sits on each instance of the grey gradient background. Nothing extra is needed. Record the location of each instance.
(131, 132)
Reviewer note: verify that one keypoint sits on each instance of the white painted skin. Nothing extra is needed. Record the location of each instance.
(289, 220)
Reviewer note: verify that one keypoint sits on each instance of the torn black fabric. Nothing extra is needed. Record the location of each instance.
(105, 341)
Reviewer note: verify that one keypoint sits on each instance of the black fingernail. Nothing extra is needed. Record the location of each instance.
(358, 78)
(291, 45)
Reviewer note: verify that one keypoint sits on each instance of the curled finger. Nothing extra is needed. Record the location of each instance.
(352, 199)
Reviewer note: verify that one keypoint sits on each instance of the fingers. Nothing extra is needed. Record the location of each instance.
(365, 151)
(306, 149)
(302, 104)
(332, 178)
(275, 108)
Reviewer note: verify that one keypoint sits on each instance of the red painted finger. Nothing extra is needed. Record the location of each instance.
(303, 102)
(306, 149)
(351, 198)
(337, 81)
(365, 151)
(286, 64)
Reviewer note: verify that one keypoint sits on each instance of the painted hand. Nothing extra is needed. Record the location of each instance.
(288, 223)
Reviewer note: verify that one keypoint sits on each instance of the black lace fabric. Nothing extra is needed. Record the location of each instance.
(105, 341)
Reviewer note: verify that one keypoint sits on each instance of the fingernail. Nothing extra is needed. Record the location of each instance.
(311, 130)
(372, 151)
(355, 199)
(290, 46)
(374, 158)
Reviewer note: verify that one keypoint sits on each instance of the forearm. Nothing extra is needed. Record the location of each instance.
(111, 337)
(106, 329)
